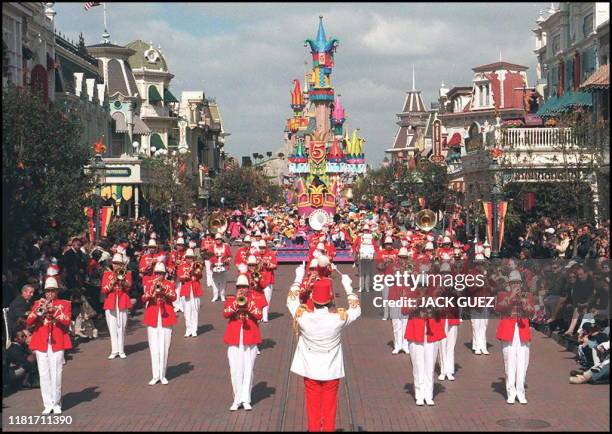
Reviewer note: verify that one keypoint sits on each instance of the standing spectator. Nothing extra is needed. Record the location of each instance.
(74, 264)
(580, 296)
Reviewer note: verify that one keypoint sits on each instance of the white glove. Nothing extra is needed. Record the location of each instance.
(346, 283)
(299, 273)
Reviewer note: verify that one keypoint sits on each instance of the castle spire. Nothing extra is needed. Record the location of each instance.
(413, 84)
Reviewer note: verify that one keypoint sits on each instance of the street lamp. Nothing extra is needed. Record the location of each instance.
(98, 168)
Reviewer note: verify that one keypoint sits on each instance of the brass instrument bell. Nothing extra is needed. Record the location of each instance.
(426, 220)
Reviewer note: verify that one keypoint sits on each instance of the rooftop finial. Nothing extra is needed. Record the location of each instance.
(413, 84)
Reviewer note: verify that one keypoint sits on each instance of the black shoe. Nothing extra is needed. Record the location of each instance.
(575, 372)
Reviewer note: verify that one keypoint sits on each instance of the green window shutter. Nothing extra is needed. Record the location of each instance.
(168, 97)
(172, 143)
(157, 141)
(154, 95)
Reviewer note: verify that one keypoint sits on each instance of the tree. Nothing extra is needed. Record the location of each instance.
(244, 185)
(44, 185)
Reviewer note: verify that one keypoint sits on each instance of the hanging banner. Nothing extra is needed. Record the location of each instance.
(488, 210)
(106, 213)
(126, 193)
(502, 208)
(529, 200)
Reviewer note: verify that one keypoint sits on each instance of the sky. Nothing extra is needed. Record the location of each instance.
(247, 55)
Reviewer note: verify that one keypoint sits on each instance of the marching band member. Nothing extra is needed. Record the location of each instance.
(189, 274)
(159, 317)
(424, 330)
(445, 252)
(365, 250)
(174, 259)
(50, 318)
(451, 320)
(385, 263)
(318, 356)
(270, 263)
(206, 250)
(222, 256)
(516, 307)
(243, 252)
(242, 336)
(116, 287)
(147, 261)
(479, 317)
(398, 319)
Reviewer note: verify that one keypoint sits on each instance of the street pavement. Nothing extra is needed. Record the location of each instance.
(377, 393)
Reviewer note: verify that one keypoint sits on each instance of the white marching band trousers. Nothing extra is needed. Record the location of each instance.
(50, 366)
(218, 284)
(192, 308)
(516, 361)
(385, 296)
(423, 357)
(399, 323)
(479, 320)
(208, 273)
(268, 293)
(116, 329)
(366, 274)
(242, 360)
(447, 349)
(159, 344)
(179, 303)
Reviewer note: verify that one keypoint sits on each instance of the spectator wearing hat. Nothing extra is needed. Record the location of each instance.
(116, 286)
(516, 306)
(318, 356)
(191, 291)
(159, 317)
(242, 336)
(385, 262)
(50, 320)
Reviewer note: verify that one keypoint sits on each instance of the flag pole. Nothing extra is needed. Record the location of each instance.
(105, 35)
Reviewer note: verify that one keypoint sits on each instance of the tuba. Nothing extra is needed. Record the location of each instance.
(426, 220)
(217, 223)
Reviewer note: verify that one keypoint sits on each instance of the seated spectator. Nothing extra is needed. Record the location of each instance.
(597, 374)
(20, 307)
(21, 362)
(82, 317)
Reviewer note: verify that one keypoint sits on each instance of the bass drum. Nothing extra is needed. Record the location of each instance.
(318, 219)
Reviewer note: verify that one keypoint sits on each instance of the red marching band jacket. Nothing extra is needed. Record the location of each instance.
(189, 281)
(226, 256)
(174, 260)
(241, 255)
(269, 257)
(206, 245)
(114, 291)
(418, 327)
(391, 256)
(514, 314)
(245, 319)
(153, 303)
(56, 330)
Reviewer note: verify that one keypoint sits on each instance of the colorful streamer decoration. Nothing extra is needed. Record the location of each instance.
(502, 208)
(106, 213)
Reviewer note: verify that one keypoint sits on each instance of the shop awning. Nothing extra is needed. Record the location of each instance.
(455, 140)
(120, 123)
(168, 97)
(157, 141)
(154, 95)
(140, 127)
(548, 107)
(600, 79)
(570, 100)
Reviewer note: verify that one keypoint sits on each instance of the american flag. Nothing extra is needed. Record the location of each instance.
(90, 5)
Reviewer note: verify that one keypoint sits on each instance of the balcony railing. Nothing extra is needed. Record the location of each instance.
(538, 138)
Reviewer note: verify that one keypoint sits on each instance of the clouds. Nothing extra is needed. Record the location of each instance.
(246, 55)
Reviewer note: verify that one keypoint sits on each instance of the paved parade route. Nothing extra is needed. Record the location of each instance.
(113, 395)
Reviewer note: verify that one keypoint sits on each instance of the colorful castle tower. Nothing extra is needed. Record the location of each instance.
(325, 159)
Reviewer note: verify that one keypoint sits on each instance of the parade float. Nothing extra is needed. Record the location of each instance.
(325, 157)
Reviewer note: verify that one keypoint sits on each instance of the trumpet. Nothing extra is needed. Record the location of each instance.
(122, 273)
(44, 307)
(241, 301)
(159, 288)
(197, 268)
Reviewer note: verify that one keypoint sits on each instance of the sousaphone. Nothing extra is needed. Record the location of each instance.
(426, 220)
(217, 223)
